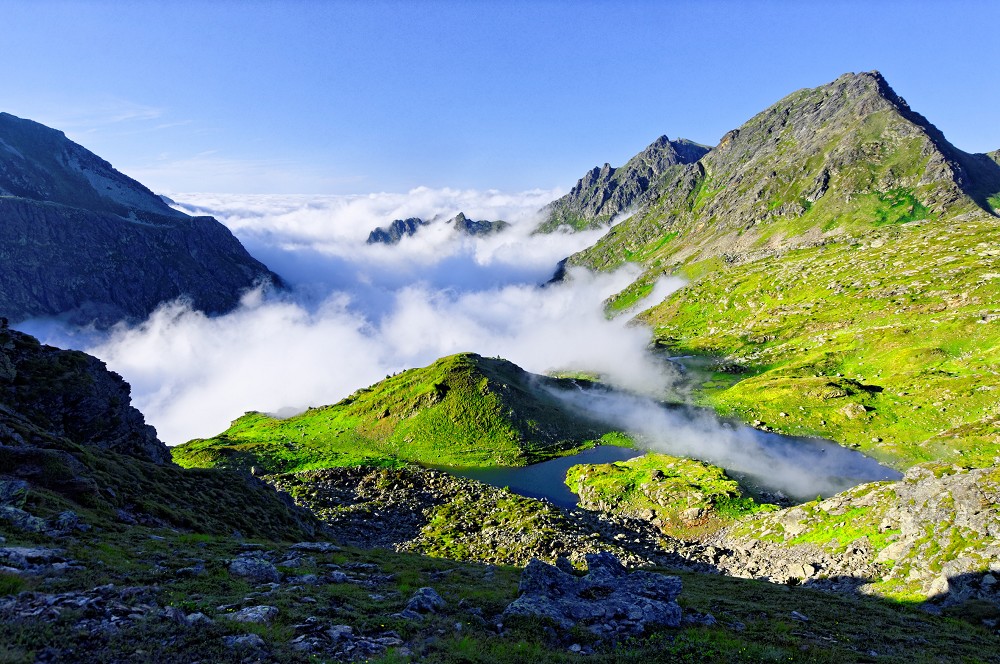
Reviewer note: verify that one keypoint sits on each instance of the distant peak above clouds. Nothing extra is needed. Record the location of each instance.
(400, 228)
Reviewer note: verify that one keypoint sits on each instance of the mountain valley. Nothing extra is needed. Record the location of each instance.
(841, 272)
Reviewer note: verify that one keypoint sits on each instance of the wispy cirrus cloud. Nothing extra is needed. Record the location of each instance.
(102, 114)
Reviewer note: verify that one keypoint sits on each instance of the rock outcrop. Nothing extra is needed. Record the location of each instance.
(81, 240)
(69, 437)
(72, 395)
(608, 601)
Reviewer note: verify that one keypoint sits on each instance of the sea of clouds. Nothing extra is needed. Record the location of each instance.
(355, 313)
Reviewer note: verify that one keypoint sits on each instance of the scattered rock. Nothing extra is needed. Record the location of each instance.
(315, 547)
(255, 614)
(198, 618)
(22, 520)
(13, 493)
(245, 641)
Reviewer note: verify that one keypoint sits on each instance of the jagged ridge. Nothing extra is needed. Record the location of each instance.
(400, 228)
(604, 193)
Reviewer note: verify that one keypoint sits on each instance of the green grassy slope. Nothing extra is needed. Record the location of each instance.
(888, 343)
(843, 253)
(463, 410)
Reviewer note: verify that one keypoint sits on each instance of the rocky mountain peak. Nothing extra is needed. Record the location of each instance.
(606, 192)
(848, 153)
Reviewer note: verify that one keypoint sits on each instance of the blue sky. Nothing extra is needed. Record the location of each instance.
(345, 97)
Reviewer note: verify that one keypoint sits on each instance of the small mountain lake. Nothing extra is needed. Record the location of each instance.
(548, 478)
(771, 466)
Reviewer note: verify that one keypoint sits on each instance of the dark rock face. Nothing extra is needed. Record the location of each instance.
(71, 395)
(401, 228)
(604, 193)
(463, 224)
(80, 239)
(608, 600)
(396, 231)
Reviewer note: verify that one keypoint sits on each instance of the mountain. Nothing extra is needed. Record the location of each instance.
(604, 193)
(79, 239)
(401, 228)
(463, 410)
(463, 224)
(847, 155)
(839, 254)
(108, 555)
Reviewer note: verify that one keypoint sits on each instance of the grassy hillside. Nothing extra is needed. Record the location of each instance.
(889, 343)
(842, 266)
(463, 410)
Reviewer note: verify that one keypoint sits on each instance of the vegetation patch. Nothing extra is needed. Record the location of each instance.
(683, 497)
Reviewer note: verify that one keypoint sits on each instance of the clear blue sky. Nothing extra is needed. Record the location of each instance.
(355, 97)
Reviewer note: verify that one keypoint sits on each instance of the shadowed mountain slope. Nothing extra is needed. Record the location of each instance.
(70, 440)
(79, 239)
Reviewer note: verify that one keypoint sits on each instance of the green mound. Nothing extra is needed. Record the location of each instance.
(683, 497)
(463, 410)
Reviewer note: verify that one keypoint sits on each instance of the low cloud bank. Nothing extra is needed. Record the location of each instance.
(359, 312)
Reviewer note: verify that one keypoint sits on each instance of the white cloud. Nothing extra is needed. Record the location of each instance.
(358, 312)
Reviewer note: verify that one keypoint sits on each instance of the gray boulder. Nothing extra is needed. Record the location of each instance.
(254, 569)
(425, 600)
(13, 493)
(255, 614)
(251, 641)
(609, 601)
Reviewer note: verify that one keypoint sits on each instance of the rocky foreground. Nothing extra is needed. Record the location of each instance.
(930, 538)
